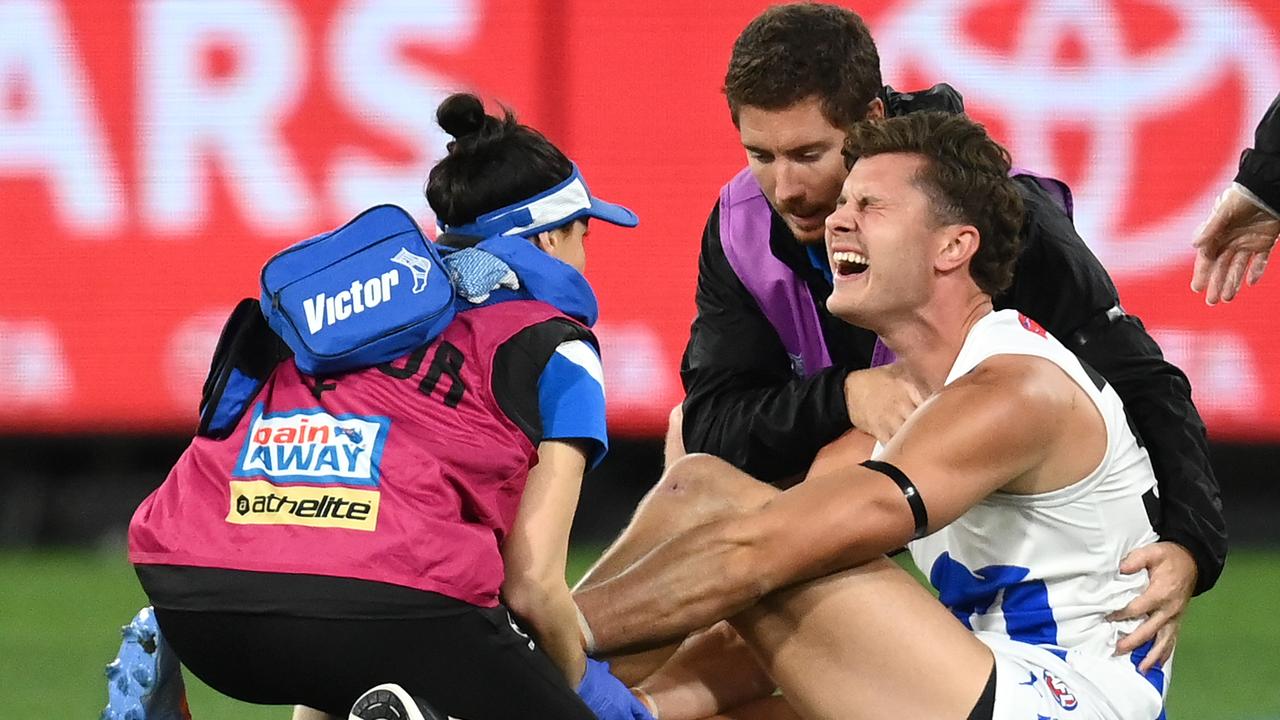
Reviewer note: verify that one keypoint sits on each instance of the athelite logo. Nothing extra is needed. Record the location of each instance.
(1103, 95)
(258, 502)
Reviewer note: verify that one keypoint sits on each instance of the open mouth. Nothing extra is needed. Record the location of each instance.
(847, 263)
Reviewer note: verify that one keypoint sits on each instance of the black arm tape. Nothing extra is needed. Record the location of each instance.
(909, 491)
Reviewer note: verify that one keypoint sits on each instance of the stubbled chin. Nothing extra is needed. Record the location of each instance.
(813, 237)
(808, 237)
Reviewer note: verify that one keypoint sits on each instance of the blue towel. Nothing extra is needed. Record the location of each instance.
(476, 274)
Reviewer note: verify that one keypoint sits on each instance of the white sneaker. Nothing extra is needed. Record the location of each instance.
(392, 702)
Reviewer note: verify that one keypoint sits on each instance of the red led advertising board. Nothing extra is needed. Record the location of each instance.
(154, 153)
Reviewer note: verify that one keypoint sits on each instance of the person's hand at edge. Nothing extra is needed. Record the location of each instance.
(1235, 241)
(1171, 580)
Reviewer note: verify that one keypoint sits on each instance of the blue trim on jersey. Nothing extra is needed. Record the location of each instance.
(818, 256)
(1027, 615)
(571, 404)
(1155, 675)
(239, 390)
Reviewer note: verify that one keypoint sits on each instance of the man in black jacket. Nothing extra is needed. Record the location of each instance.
(799, 75)
(1244, 226)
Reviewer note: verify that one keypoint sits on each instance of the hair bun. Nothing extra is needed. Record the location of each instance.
(461, 114)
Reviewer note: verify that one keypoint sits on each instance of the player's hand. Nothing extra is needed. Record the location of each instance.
(1236, 239)
(1171, 579)
(879, 400)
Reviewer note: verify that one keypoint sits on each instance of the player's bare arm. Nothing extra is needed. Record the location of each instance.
(983, 433)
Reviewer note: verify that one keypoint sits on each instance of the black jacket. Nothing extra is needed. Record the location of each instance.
(1260, 166)
(744, 403)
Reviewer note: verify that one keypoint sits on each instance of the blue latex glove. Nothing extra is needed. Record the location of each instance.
(607, 697)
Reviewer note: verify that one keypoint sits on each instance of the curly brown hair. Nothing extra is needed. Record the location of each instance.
(966, 178)
(793, 52)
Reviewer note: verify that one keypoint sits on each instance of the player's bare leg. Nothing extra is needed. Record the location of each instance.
(714, 671)
(867, 643)
(647, 527)
(770, 708)
(695, 490)
(715, 674)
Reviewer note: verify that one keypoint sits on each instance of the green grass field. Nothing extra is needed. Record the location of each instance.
(59, 614)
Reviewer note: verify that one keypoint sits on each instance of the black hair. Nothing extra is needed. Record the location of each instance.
(492, 162)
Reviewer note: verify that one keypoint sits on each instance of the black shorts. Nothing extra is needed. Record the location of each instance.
(985, 708)
(472, 664)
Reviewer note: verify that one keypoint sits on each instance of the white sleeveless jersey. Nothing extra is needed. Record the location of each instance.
(1044, 569)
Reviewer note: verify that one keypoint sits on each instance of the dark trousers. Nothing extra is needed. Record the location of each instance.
(472, 665)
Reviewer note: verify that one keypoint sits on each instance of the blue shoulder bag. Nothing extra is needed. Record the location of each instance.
(363, 294)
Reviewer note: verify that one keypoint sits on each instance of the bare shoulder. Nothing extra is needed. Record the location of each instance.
(993, 429)
(1029, 383)
(1041, 413)
(1008, 402)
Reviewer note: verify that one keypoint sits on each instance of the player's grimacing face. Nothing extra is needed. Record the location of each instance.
(880, 241)
(794, 153)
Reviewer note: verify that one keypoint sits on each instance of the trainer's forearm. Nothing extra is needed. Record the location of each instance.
(550, 612)
(685, 584)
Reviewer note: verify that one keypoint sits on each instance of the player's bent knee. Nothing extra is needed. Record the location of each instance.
(709, 480)
(695, 475)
